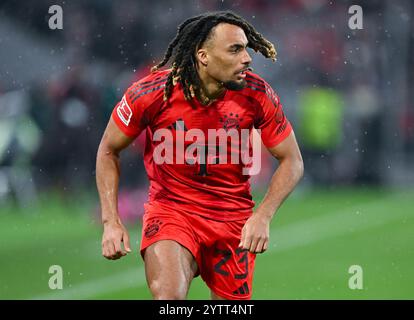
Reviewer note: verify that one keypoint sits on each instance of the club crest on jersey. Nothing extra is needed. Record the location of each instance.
(231, 121)
(124, 111)
(152, 228)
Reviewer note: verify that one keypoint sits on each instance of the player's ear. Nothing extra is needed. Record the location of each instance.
(202, 57)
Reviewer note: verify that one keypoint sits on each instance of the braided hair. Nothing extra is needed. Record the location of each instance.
(191, 35)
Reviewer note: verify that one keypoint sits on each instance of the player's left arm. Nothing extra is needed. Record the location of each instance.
(255, 233)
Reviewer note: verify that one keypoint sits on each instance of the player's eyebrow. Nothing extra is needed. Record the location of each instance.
(237, 46)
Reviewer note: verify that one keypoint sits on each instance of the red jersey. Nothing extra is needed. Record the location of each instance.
(219, 191)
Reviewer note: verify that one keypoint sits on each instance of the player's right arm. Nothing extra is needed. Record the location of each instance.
(107, 180)
(129, 118)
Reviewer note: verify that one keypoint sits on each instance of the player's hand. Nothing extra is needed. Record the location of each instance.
(115, 233)
(255, 234)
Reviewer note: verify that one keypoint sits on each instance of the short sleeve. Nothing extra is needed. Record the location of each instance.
(271, 120)
(128, 113)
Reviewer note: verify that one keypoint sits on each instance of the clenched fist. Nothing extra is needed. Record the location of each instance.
(115, 233)
(255, 234)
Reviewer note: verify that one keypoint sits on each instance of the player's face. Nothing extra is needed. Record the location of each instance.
(226, 56)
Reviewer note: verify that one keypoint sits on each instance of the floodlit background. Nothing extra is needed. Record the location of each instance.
(348, 93)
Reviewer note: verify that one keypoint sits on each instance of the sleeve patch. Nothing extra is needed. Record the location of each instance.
(124, 111)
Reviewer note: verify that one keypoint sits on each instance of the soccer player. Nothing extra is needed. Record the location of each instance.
(199, 218)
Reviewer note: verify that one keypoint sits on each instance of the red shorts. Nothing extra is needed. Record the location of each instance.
(226, 269)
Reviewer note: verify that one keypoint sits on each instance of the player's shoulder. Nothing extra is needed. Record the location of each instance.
(154, 76)
(151, 86)
(258, 88)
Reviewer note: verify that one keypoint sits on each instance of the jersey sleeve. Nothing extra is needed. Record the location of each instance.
(128, 113)
(271, 120)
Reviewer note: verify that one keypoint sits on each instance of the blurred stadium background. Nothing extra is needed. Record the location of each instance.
(349, 94)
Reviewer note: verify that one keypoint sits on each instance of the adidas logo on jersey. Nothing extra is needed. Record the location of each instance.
(244, 289)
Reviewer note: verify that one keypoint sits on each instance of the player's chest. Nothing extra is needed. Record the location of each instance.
(225, 115)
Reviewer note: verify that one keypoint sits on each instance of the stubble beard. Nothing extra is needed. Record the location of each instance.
(235, 85)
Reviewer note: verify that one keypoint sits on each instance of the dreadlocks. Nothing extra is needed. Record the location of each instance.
(190, 36)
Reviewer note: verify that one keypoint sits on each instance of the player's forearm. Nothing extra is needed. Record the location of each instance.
(107, 180)
(284, 180)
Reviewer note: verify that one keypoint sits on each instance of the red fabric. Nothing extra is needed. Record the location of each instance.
(216, 191)
(227, 270)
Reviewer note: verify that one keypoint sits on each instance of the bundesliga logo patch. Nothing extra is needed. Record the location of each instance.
(124, 111)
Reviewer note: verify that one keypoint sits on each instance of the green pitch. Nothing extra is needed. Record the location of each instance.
(315, 238)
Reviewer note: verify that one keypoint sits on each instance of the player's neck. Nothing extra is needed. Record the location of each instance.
(211, 89)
